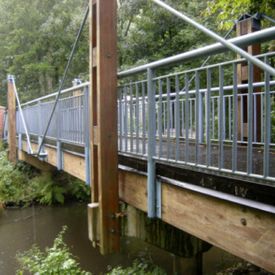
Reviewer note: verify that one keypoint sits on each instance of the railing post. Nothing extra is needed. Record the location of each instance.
(11, 120)
(151, 165)
(86, 134)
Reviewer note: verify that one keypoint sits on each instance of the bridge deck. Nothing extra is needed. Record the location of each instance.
(170, 150)
(243, 231)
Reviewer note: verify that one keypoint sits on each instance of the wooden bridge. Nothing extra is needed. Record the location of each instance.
(194, 148)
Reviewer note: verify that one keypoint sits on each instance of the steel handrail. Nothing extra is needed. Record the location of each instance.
(245, 40)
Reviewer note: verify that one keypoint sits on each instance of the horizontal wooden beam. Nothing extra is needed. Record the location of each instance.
(72, 164)
(242, 231)
(35, 162)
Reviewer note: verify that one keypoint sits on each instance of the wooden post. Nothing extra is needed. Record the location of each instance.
(103, 121)
(246, 25)
(11, 121)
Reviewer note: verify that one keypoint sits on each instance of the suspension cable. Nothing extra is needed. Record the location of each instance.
(64, 77)
(218, 38)
(268, 18)
(207, 59)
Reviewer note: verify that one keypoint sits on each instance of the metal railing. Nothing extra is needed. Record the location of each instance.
(210, 122)
(69, 120)
(201, 118)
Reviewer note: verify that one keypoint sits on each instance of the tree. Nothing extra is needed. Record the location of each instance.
(35, 41)
(226, 12)
(147, 32)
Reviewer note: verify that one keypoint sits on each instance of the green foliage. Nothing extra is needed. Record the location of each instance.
(139, 267)
(226, 12)
(35, 40)
(143, 25)
(59, 260)
(55, 260)
(22, 185)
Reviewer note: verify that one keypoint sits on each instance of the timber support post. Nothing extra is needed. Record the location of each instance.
(11, 120)
(248, 24)
(103, 126)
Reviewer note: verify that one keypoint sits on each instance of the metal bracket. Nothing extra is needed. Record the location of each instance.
(87, 165)
(20, 147)
(158, 198)
(59, 155)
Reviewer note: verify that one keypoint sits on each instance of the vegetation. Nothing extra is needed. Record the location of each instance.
(36, 38)
(139, 267)
(22, 185)
(59, 260)
(226, 12)
(55, 260)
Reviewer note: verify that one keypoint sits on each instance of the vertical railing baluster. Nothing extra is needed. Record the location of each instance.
(120, 117)
(221, 114)
(262, 118)
(131, 119)
(191, 117)
(137, 118)
(177, 117)
(224, 117)
(151, 166)
(125, 119)
(198, 117)
(86, 133)
(213, 118)
(254, 98)
(143, 120)
(229, 119)
(160, 117)
(182, 118)
(241, 122)
(235, 117)
(208, 111)
(267, 122)
(168, 91)
(250, 118)
(186, 80)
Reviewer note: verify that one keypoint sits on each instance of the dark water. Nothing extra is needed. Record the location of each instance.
(20, 228)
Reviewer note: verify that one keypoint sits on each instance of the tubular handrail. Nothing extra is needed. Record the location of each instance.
(220, 39)
(212, 89)
(244, 40)
(71, 89)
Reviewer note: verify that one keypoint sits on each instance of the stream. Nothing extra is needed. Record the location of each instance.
(21, 228)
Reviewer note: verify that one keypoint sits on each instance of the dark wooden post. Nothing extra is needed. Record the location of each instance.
(11, 121)
(248, 24)
(103, 122)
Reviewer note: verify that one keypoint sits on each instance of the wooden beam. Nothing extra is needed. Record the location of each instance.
(242, 231)
(72, 164)
(35, 162)
(11, 122)
(103, 106)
